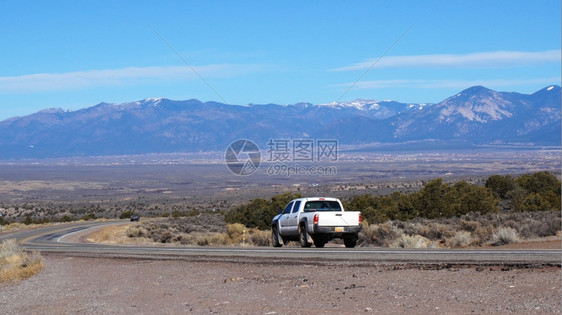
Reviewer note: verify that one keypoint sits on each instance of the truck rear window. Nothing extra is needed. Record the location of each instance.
(322, 205)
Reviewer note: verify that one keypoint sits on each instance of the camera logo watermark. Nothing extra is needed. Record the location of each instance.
(243, 157)
(283, 156)
(283, 152)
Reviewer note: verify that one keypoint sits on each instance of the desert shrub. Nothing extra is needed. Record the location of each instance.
(165, 237)
(380, 234)
(184, 230)
(505, 236)
(177, 238)
(511, 224)
(235, 232)
(411, 241)
(235, 229)
(15, 264)
(539, 227)
(185, 240)
(469, 225)
(431, 230)
(66, 218)
(549, 227)
(212, 239)
(461, 239)
(483, 233)
(136, 231)
(90, 216)
(260, 238)
(126, 214)
(366, 234)
(28, 220)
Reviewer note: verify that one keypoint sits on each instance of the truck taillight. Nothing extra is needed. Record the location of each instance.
(315, 220)
(360, 218)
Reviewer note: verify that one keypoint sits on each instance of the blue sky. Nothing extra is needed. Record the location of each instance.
(75, 54)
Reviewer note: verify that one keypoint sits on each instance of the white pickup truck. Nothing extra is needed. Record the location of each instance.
(318, 220)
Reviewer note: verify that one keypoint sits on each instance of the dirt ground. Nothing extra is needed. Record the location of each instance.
(70, 285)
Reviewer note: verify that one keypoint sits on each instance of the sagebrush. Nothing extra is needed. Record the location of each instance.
(16, 264)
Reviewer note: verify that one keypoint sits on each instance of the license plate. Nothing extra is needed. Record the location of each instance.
(338, 229)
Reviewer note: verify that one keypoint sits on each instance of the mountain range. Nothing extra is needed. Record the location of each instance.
(475, 116)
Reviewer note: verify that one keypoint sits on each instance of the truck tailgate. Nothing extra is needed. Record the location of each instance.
(338, 218)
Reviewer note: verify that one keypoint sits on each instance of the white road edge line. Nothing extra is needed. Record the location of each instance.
(59, 240)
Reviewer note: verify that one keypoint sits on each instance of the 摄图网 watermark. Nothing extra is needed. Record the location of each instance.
(284, 157)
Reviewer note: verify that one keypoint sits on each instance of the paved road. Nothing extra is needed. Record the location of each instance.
(56, 240)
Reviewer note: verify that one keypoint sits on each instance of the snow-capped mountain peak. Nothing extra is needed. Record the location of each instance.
(476, 104)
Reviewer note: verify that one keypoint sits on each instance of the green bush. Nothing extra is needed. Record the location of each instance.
(259, 212)
(90, 216)
(126, 214)
(435, 200)
(66, 218)
(501, 185)
(540, 182)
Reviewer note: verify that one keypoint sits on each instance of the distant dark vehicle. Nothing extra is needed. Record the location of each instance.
(135, 218)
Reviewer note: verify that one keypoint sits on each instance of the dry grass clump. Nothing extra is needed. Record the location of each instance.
(15, 264)
(136, 231)
(411, 241)
(483, 234)
(505, 236)
(212, 239)
(260, 238)
(113, 234)
(235, 232)
(461, 239)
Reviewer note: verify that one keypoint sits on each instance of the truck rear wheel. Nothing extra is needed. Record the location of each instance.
(319, 242)
(303, 237)
(275, 237)
(350, 242)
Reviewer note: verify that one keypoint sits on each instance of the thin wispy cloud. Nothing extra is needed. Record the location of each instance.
(439, 84)
(45, 82)
(483, 59)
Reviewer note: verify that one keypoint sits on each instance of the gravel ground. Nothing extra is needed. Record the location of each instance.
(103, 285)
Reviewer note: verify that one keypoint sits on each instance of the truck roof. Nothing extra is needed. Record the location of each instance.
(318, 199)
